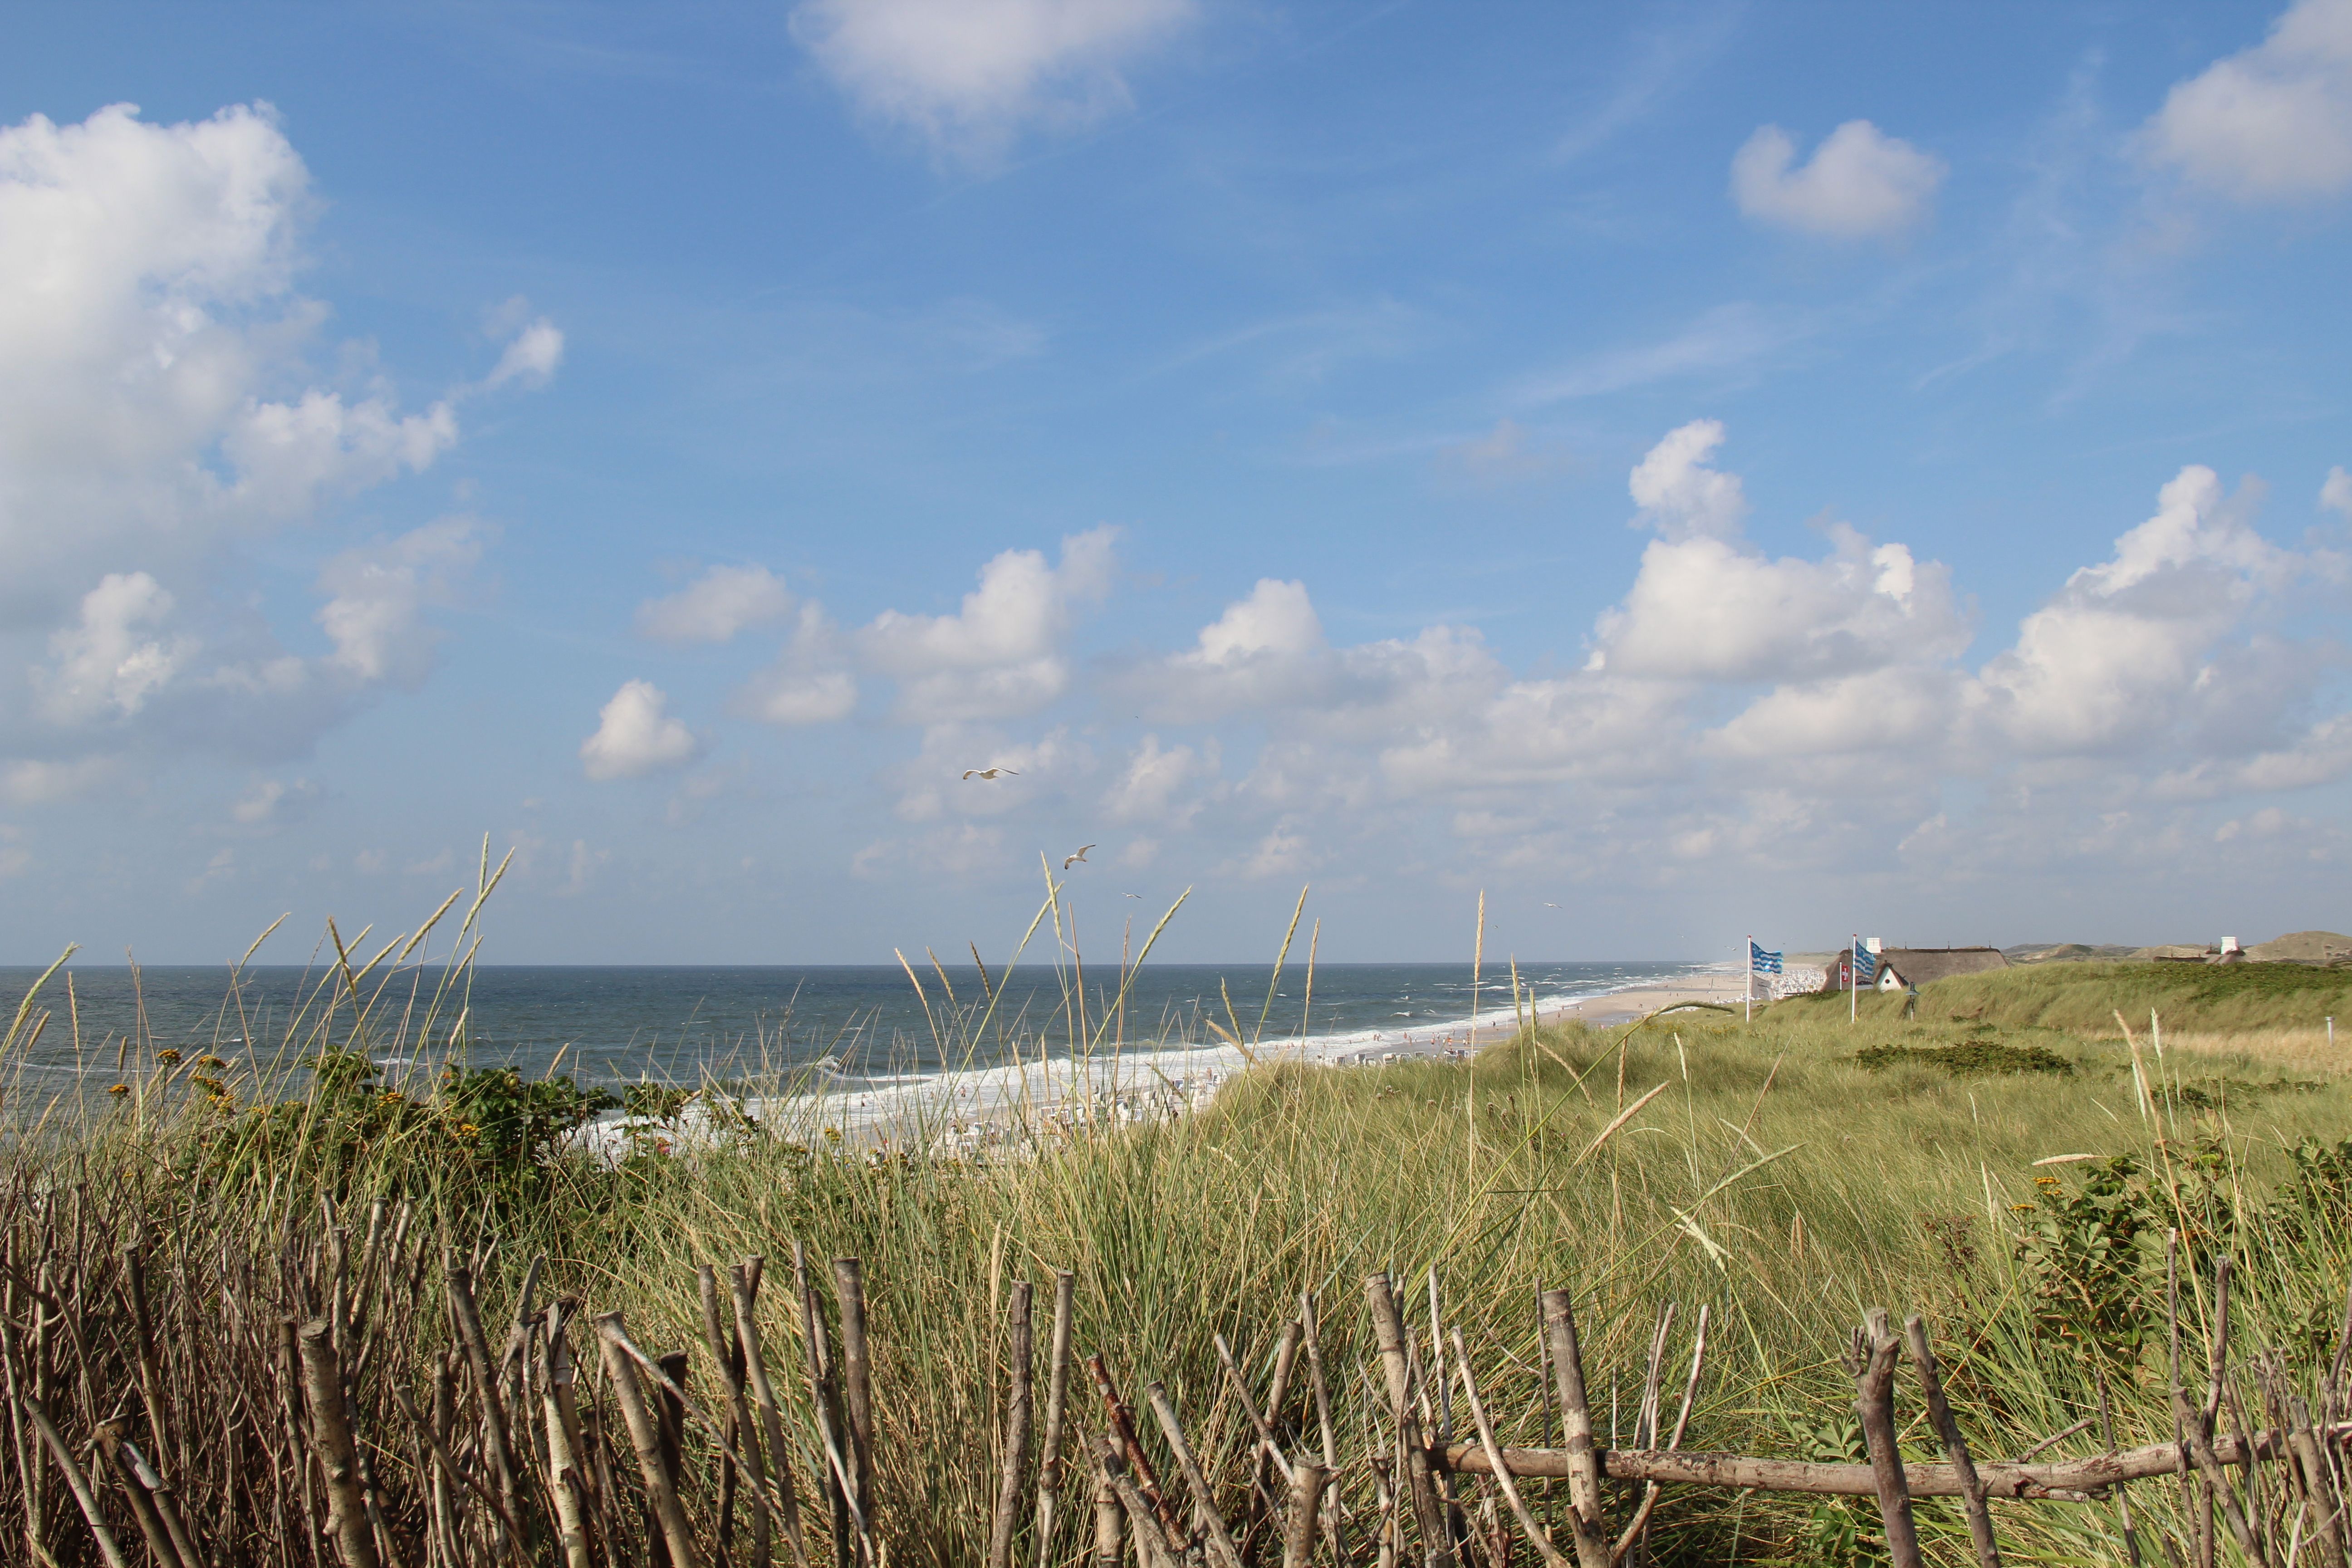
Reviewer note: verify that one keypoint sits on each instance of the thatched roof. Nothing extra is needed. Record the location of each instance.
(1924, 966)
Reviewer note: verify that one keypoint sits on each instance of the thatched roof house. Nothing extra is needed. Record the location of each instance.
(1903, 966)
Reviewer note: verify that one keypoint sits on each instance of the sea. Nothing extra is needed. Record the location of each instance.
(853, 1027)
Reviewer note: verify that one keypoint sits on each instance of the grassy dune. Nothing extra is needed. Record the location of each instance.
(1773, 1177)
(2204, 998)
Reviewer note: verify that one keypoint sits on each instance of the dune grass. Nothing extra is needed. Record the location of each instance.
(1773, 1176)
(2204, 997)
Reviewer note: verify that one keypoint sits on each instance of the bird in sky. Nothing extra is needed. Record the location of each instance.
(989, 772)
(1071, 861)
(1130, 895)
(1551, 906)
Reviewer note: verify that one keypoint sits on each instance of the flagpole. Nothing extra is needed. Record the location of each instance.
(1750, 956)
(1853, 980)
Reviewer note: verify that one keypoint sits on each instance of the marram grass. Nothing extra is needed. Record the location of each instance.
(1765, 1173)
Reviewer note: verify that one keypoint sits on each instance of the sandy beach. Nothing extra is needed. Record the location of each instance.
(978, 1108)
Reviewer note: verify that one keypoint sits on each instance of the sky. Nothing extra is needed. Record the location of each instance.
(1679, 470)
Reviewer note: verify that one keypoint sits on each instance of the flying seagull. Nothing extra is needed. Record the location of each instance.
(1130, 895)
(989, 772)
(1071, 861)
(1551, 906)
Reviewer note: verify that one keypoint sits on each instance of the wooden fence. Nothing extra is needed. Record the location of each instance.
(230, 1412)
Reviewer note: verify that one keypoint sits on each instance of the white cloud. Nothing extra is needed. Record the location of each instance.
(1707, 605)
(1053, 767)
(376, 616)
(1788, 713)
(1001, 654)
(105, 666)
(221, 867)
(274, 803)
(159, 411)
(583, 865)
(635, 736)
(1860, 182)
(1283, 852)
(2127, 649)
(1147, 789)
(2337, 493)
(716, 607)
(968, 74)
(40, 782)
(810, 683)
(531, 358)
(2272, 122)
(1680, 493)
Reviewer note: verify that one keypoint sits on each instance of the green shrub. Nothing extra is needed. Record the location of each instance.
(1969, 1058)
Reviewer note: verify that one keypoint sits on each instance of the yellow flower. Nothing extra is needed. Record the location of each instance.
(120, 1089)
(168, 1057)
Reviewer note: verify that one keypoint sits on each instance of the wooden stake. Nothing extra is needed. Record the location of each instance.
(741, 1280)
(468, 1316)
(1535, 1537)
(646, 1438)
(1589, 1523)
(669, 1424)
(1388, 1330)
(1956, 1448)
(824, 1400)
(1057, 1390)
(1110, 1520)
(1872, 1364)
(1019, 1398)
(719, 1332)
(856, 1381)
(331, 1439)
(566, 1478)
(76, 1482)
(1306, 1482)
(1203, 1499)
(1333, 1525)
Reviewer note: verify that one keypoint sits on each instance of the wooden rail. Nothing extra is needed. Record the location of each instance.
(2070, 1480)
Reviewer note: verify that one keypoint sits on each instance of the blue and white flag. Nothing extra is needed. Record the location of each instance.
(1761, 962)
(1866, 965)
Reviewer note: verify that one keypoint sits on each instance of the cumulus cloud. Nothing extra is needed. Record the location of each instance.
(969, 74)
(158, 411)
(1707, 605)
(716, 607)
(635, 736)
(1859, 184)
(105, 665)
(2336, 495)
(1162, 787)
(1001, 654)
(1788, 711)
(1680, 492)
(2272, 122)
(811, 681)
(2127, 650)
(379, 593)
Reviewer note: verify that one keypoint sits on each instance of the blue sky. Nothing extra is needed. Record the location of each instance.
(1708, 468)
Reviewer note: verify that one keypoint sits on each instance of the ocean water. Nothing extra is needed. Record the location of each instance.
(859, 1024)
